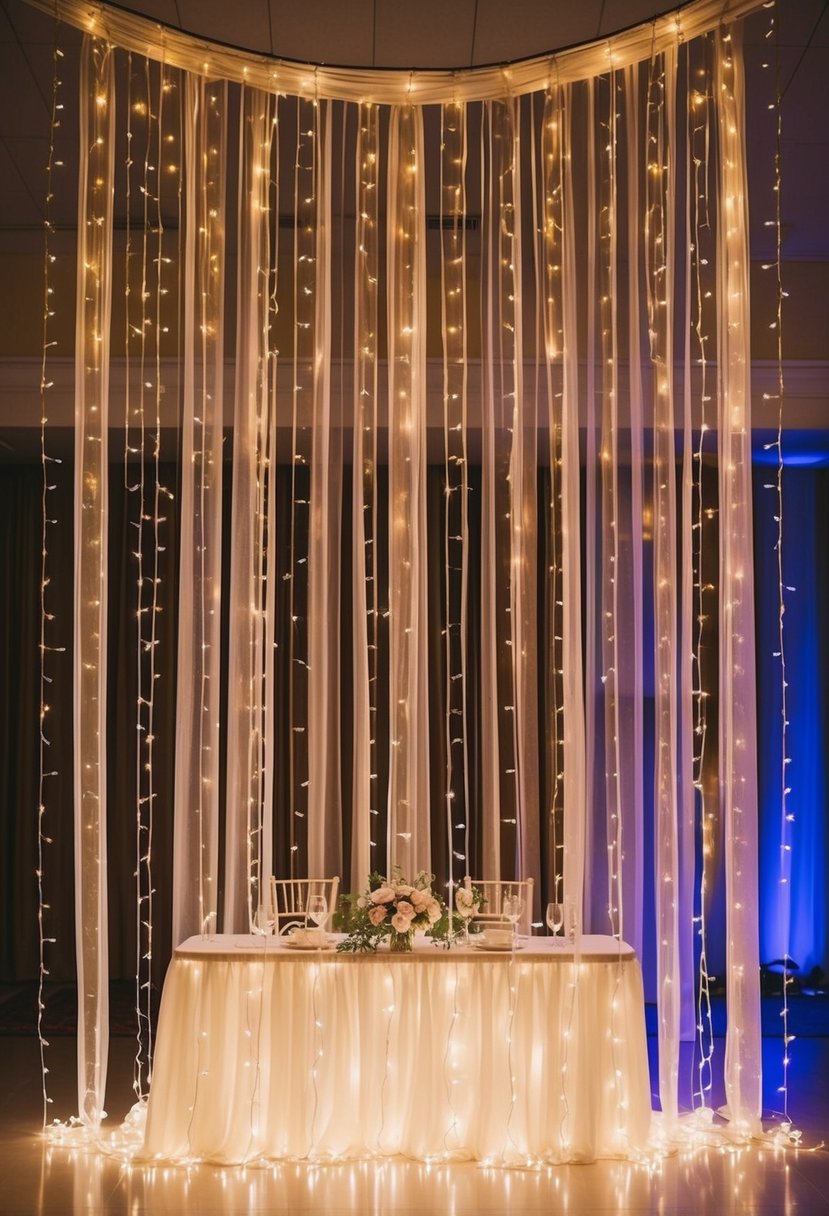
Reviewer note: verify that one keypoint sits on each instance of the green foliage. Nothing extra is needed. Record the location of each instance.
(357, 913)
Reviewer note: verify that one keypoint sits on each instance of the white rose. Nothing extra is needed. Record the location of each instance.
(405, 909)
(433, 912)
(383, 895)
(401, 924)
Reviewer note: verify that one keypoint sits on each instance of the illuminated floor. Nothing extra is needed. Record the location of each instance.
(38, 1181)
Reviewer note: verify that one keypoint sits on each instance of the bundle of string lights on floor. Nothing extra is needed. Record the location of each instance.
(465, 488)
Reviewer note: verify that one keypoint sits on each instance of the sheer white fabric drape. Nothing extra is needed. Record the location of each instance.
(561, 225)
(409, 834)
(196, 827)
(737, 695)
(252, 696)
(92, 350)
(365, 542)
(324, 727)
(140, 34)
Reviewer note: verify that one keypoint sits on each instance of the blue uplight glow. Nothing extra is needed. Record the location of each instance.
(793, 916)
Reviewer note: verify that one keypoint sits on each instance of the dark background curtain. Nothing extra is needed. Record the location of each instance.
(807, 521)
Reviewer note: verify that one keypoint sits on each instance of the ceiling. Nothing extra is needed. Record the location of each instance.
(434, 33)
(430, 34)
(395, 34)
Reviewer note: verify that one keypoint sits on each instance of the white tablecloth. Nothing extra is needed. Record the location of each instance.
(268, 1052)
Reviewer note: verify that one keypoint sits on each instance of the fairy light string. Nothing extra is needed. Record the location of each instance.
(148, 187)
(161, 496)
(737, 735)
(366, 850)
(787, 816)
(268, 457)
(47, 616)
(196, 828)
(456, 487)
(506, 469)
(550, 255)
(659, 252)
(307, 118)
(701, 256)
(93, 339)
(609, 469)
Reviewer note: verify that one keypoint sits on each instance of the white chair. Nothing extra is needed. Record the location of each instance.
(492, 909)
(290, 896)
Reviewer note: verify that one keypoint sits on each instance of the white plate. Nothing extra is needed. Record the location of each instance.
(292, 945)
(493, 946)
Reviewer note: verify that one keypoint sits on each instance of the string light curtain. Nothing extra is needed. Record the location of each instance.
(365, 793)
(409, 835)
(250, 759)
(196, 827)
(737, 694)
(352, 628)
(92, 353)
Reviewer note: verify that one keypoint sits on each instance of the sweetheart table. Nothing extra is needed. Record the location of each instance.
(267, 1052)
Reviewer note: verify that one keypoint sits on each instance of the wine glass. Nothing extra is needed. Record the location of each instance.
(512, 907)
(555, 919)
(263, 921)
(318, 909)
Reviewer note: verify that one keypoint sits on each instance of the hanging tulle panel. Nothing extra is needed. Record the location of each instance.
(196, 843)
(366, 851)
(252, 698)
(92, 350)
(470, 343)
(409, 827)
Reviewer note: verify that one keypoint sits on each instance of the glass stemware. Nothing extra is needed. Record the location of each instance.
(318, 909)
(263, 921)
(555, 920)
(512, 907)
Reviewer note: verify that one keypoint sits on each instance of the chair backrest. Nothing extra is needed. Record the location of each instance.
(493, 891)
(289, 899)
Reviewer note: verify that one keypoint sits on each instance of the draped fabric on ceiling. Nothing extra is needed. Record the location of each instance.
(498, 288)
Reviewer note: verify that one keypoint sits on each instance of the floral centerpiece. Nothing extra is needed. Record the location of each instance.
(392, 909)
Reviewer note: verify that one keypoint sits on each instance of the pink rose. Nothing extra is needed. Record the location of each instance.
(405, 909)
(383, 895)
(433, 912)
(377, 915)
(420, 899)
(402, 924)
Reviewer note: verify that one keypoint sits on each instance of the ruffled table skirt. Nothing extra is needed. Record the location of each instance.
(264, 1052)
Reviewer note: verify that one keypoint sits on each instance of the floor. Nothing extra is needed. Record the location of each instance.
(40, 1180)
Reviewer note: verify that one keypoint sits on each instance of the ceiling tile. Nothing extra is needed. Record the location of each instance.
(525, 28)
(806, 101)
(18, 206)
(618, 15)
(821, 36)
(429, 34)
(7, 33)
(243, 25)
(23, 107)
(165, 11)
(11, 179)
(323, 31)
(32, 25)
